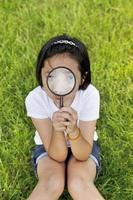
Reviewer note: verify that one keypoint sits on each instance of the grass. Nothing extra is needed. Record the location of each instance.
(106, 27)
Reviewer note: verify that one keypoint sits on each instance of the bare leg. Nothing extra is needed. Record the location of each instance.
(51, 180)
(81, 177)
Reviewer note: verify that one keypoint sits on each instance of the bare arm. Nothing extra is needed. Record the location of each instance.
(53, 140)
(82, 146)
(58, 147)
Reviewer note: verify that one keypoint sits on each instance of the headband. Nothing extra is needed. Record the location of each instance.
(65, 42)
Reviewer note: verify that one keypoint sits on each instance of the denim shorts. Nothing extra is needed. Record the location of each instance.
(39, 152)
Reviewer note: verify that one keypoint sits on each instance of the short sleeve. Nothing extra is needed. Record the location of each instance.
(35, 106)
(90, 106)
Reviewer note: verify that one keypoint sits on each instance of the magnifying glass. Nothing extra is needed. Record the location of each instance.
(61, 81)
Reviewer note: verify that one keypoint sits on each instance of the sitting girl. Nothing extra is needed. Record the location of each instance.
(66, 152)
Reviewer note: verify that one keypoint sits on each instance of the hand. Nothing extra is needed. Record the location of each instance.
(70, 116)
(59, 121)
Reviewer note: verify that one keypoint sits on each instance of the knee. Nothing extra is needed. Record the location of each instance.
(56, 184)
(53, 185)
(77, 185)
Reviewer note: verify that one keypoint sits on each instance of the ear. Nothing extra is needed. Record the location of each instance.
(83, 78)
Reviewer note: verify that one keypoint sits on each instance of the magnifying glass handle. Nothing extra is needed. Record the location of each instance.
(61, 101)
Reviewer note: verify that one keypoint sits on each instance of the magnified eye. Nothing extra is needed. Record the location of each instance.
(70, 76)
(50, 76)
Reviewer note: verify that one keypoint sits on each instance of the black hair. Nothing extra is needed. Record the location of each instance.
(65, 44)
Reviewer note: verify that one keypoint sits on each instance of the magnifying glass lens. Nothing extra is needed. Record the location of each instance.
(61, 81)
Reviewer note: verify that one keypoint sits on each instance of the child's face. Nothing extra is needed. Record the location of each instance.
(61, 60)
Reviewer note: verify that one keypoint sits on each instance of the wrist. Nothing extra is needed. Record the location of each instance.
(57, 130)
(74, 135)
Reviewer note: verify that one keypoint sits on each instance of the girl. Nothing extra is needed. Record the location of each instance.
(66, 149)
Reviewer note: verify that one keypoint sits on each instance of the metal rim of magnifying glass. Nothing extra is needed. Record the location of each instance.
(73, 76)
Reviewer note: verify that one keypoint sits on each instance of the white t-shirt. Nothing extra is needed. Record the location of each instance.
(86, 102)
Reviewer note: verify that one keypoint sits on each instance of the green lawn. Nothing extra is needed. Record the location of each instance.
(106, 26)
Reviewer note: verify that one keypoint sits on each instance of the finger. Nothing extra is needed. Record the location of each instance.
(59, 127)
(66, 116)
(66, 123)
(60, 119)
(61, 124)
(70, 110)
(56, 115)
